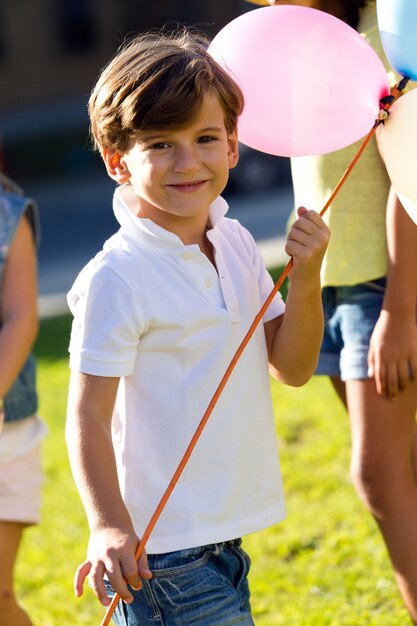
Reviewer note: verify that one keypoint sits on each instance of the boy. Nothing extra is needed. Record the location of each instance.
(158, 314)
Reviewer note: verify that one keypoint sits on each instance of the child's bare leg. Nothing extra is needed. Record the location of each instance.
(11, 614)
(382, 470)
(340, 388)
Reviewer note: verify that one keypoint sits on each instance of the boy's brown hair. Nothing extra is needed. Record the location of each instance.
(158, 81)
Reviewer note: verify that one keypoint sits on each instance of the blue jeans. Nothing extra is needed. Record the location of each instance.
(204, 586)
(350, 315)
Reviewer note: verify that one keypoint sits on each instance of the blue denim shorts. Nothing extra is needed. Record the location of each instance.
(204, 586)
(350, 315)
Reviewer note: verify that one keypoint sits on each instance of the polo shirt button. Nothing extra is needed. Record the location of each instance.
(185, 256)
(208, 283)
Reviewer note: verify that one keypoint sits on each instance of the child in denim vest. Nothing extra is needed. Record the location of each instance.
(158, 314)
(21, 430)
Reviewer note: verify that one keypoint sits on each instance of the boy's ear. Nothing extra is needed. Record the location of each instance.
(233, 152)
(116, 165)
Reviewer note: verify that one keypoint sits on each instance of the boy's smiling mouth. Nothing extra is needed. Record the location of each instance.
(187, 187)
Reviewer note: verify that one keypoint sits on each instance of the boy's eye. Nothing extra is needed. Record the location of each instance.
(160, 145)
(206, 139)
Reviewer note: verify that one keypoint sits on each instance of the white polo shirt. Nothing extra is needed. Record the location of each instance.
(157, 314)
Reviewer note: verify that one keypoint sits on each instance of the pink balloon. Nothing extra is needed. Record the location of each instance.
(311, 83)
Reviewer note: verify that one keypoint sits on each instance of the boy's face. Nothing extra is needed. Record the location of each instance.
(178, 173)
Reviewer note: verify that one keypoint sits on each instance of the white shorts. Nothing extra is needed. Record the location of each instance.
(21, 470)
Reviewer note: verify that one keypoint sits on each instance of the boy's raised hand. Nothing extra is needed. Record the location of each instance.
(306, 244)
(111, 552)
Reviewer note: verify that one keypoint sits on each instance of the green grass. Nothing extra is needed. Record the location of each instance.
(325, 565)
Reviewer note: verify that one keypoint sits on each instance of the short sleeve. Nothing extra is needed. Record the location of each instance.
(107, 324)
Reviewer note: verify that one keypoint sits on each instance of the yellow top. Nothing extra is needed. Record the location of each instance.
(357, 250)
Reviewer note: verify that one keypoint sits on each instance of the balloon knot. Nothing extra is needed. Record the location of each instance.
(403, 83)
(386, 101)
(383, 115)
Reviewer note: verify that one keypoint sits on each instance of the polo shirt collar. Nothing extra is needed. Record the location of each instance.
(144, 230)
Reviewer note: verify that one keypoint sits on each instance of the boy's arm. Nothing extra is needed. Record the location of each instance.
(18, 315)
(294, 339)
(113, 541)
(393, 348)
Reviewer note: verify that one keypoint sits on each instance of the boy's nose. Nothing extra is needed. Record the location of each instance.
(186, 160)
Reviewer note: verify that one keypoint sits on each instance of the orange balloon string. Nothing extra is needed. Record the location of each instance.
(182, 464)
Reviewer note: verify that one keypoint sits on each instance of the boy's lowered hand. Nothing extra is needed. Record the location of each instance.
(111, 552)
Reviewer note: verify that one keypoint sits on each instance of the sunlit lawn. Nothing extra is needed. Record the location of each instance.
(325, 565)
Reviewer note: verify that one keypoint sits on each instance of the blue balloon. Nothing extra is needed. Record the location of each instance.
(397, 21)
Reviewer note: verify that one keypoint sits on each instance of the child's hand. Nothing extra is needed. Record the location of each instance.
(392, 357)
(111, 551)
(306, 244)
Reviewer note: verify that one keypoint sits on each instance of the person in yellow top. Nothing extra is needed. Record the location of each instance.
(369, 350)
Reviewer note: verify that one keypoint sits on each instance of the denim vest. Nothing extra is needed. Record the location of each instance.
(21, 400)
